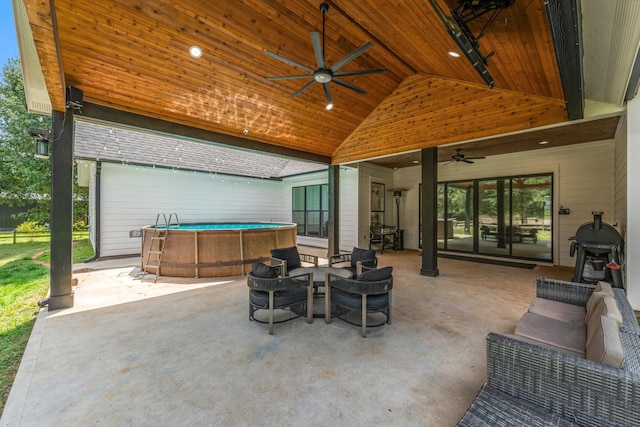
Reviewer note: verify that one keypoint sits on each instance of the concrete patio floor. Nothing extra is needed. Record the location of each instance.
(183, 352)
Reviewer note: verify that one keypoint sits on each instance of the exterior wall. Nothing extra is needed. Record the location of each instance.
(348, 205)
(132, 196)
(620, 178)
(92, 205)
(632, 237)
(369, 173)
(583, 182)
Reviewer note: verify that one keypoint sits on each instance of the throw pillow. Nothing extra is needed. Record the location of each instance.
(289, 254)
(605, 345)
(361, 255)
(377, 275)
(262, 270)
(604, 287)
(592, 303)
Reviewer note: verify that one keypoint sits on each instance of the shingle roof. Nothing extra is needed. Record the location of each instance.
(100, 142)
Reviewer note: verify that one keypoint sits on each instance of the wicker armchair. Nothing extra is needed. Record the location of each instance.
(356, 261)
(344, 297)
(284, 298)
(528, 384)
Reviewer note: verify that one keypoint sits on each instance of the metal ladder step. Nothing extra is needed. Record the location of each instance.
(159, 235)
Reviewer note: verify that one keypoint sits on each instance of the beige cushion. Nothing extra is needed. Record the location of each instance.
(605, 345)
(558, 310)
(592, 303)
(604, 287)
(566, 335)
(607, 308)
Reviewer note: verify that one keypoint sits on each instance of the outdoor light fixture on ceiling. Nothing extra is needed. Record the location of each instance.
(456, 25)
(42, 138)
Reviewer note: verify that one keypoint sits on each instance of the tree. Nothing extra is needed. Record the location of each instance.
(25, 180)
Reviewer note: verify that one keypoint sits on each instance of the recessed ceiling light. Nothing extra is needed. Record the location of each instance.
(543, 142)
(454, 54)
(195, 51)
(415, 162)
(329, 106)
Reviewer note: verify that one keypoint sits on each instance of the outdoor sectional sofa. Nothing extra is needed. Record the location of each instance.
(537, 384)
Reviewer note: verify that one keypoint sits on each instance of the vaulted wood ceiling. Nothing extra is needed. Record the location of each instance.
(133, 56)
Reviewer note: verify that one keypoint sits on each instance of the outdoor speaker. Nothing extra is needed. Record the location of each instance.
(74, 98)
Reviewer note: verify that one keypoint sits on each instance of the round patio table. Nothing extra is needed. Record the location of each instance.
(318, 277)
(320, 272)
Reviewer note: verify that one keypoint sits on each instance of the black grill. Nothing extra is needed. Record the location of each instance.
(598, 247)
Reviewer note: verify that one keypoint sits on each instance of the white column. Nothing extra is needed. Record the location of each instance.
(632, 242)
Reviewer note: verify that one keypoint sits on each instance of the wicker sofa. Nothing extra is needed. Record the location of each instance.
(539, 385)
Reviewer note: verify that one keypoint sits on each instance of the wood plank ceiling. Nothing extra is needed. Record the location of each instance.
(132, 55)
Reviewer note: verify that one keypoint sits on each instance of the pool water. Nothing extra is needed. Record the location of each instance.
(228, 226)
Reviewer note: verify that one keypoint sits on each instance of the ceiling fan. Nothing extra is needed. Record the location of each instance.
(324, 74)
(459, 157)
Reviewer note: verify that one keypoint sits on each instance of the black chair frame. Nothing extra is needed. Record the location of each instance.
(291, 292)
(357, 289)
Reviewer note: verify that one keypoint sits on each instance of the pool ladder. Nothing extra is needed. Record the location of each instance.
(160, 234)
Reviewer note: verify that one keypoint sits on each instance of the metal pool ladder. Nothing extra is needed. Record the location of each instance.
(160, 235)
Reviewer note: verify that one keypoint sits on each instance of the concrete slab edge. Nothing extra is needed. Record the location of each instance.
(12, 413)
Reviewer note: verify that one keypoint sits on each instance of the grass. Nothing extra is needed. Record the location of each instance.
(23, 282)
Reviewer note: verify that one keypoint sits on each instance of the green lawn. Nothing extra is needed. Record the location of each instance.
(22, 283)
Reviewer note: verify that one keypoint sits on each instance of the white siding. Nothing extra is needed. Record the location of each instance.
(348, 208)
(632, 242)
(620, 185)
(583, 182)
(369, 173)
(92, 205)
(409, 179)
(132, 196)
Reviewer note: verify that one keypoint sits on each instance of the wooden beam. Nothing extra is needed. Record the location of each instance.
(564, 20)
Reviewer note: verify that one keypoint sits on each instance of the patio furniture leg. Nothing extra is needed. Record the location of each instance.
(364, 315)
(310, 304)
(327, 300)
(271, 312)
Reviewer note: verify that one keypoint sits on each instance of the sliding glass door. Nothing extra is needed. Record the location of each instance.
(505, 216)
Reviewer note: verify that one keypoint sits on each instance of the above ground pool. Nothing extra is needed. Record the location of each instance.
(214, 249)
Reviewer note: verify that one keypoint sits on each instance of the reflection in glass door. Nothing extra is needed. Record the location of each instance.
(531, 207)
(494, 222)
(458, 225)
(507, 216)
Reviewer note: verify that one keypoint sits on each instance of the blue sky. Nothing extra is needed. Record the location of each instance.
(8, 41)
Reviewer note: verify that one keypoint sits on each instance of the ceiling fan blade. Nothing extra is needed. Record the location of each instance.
(349, 85)
(327, 93)
(289, 61)
(299, 91)
(303, 76)
(350, 57)
(476, 158)
(467, 161)
(449, 162)
(358, 72)
(317, 48)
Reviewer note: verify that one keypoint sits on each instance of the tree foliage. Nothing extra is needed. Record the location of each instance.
(25, 180)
